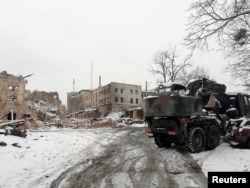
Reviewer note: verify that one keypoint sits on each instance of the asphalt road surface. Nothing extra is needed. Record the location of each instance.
(131, 159)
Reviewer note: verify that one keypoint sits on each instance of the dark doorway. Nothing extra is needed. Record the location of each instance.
(9, 116)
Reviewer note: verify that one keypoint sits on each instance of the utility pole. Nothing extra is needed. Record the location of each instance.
(91, 84)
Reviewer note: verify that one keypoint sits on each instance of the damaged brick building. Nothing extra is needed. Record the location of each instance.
(18, 103)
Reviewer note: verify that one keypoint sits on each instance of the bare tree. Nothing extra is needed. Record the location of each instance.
(194, 73)
(228, 23)
(166, 66)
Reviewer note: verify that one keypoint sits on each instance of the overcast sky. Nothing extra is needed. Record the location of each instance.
(58, 40)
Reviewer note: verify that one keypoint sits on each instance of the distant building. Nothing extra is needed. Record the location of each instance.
(75, 101)
(108, 98)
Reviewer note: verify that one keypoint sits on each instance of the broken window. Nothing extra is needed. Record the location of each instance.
(13, 91)
(26, 116)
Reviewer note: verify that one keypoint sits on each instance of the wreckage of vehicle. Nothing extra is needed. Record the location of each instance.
(194, 116)
(239, 134)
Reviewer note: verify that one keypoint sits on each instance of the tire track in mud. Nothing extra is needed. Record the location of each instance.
(144, 171)
(183, 168)
(63, 177)
(133, 160)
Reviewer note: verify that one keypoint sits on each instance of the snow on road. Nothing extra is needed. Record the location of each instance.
(38, 159)
(42, 156)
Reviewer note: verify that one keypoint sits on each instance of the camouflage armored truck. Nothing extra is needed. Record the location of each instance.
(194, 116)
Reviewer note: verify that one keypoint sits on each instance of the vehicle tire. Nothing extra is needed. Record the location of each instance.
(212, 137)
(248, 143)
(161, 140)
(196, 140)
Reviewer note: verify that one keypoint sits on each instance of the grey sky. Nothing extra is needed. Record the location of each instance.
(57, 40)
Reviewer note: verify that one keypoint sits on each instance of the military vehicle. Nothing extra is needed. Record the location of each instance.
(194, 116)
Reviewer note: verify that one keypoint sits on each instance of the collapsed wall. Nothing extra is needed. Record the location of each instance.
(18, 103)
(12, 89)
(50, 98)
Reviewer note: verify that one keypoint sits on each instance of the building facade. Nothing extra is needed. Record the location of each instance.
(12, 90)
(111, 97)
(75, 102)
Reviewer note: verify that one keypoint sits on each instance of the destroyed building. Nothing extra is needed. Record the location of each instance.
(12, 104)
(18, 103)
(48, 104)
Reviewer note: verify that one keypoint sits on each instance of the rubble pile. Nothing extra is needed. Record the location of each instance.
(35, 124)
(13, 127)
(44, 111)
(110, 124)
(47, 119)
(76, 123)
(92, 124)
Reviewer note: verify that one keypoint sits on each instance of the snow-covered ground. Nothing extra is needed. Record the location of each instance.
(224, 158)
(35, 161)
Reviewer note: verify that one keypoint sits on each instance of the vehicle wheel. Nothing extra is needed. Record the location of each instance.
(161, 140)
(196, 140)
(212, 137)
(248, 143)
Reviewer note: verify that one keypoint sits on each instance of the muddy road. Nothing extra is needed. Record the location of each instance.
(131, 159)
